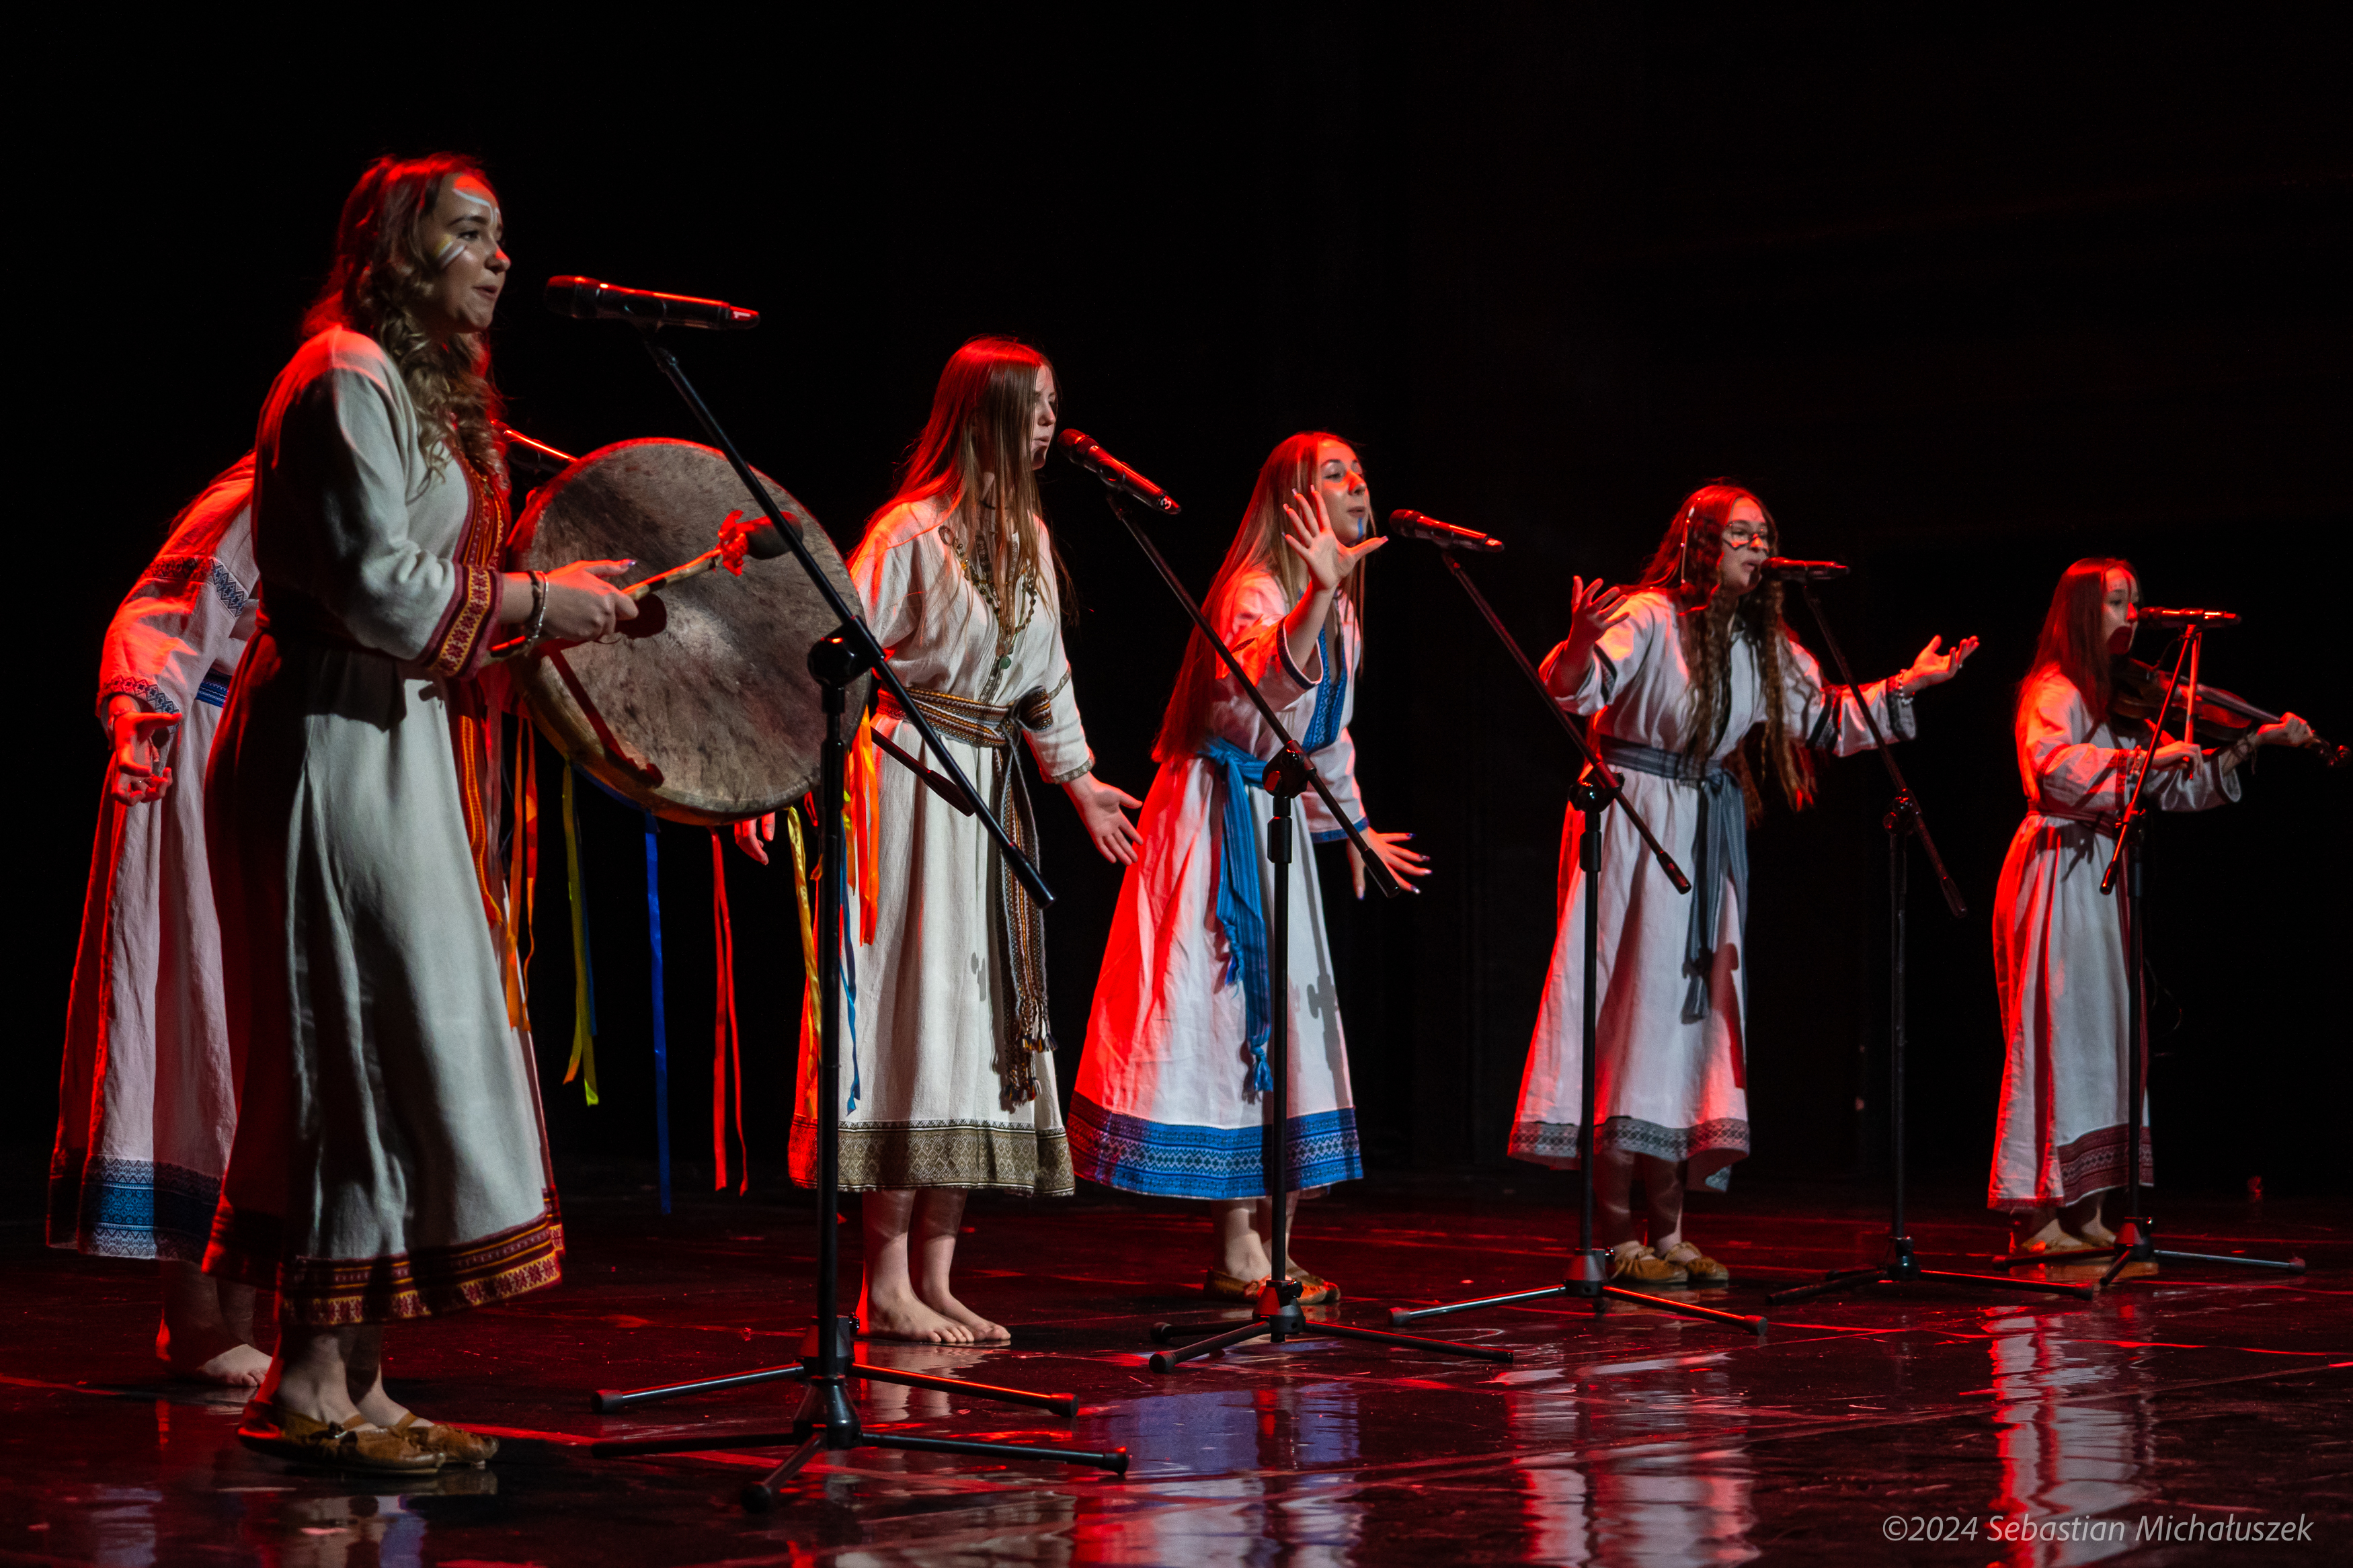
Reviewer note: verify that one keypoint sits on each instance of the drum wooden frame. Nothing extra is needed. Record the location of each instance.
(715, 714)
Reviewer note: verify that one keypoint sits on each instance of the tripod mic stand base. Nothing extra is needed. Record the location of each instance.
(1280, 1319)
(1588, 1279)
(2135, 1244)
(1903, 1268)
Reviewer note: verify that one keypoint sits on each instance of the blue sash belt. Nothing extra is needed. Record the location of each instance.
(1240, 910)
(1720, 847)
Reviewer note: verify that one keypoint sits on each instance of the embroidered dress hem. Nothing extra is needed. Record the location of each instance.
(330, 1292)
(894, 1157)
(1163, 1160)
(2092, 1163)
(131, 1208)
(1711, 1146)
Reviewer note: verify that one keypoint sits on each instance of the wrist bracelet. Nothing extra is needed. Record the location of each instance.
(538, 608)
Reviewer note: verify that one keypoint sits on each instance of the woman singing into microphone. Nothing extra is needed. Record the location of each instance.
(2059, 967)
(1167, 1100)
(1680, 674)
(947, 1065)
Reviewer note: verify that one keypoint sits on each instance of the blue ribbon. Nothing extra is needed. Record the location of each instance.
(1719, 848)
(662, 1031)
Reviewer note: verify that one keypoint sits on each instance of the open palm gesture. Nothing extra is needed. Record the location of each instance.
(1307, 530)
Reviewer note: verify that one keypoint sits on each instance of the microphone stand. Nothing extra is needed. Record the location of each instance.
(1288, 774)
(2135, 1241)
(1595, 792)
(1900, 1266)
(826, 1419)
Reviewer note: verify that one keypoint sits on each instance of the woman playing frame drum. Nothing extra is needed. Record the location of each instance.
(389, 1161)
(1679, 675)
(1168, 1100)
(2060, 969)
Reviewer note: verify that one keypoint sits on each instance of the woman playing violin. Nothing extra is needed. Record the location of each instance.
(2058, 952)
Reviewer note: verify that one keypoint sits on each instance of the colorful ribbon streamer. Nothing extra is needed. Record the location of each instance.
(583, 1064)
(727, 1043)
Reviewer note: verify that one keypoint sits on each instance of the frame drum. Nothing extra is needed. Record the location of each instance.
(715, 715)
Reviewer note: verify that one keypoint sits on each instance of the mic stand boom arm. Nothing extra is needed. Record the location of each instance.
(1602, 774)
(853, 624)
(1380, 874)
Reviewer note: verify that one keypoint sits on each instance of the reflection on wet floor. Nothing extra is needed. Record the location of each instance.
(1642, 1437)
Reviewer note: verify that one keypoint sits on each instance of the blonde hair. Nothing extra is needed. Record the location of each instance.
(980, 424)
(381, 274)
(1258, 546)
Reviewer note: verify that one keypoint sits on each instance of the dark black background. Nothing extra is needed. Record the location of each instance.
(1964, 301)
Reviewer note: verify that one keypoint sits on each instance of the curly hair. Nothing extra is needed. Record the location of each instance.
(1685, 568)
(381, 274)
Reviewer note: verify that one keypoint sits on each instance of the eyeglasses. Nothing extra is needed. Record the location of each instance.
(1736, 537)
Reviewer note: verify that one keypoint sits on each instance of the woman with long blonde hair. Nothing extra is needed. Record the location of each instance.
(948, 1067)
(1679, 676)
(1168, 1095)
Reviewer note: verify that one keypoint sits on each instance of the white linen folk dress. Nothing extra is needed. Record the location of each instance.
(947, 1071)
(2059, 960)
(1671, 1024)
(1169, 1098)
(389, 1159)
(147, 1098)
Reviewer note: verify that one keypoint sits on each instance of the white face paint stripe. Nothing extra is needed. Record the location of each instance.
(463, 194)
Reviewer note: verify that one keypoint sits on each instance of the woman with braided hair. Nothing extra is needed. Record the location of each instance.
(1679, 675)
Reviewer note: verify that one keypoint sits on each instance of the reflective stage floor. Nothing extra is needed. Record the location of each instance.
(1924, 1424)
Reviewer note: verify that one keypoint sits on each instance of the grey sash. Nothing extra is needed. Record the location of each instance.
(1720, 846)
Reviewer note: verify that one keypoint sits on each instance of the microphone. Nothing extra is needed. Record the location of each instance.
(1781, 569)
(1408, 524)
(2154, 616)
(585, 299)
(1082, 450)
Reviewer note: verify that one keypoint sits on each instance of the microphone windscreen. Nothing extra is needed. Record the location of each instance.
(764, 544)
(571, 296)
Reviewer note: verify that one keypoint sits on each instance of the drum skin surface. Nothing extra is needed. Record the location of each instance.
(720, 700)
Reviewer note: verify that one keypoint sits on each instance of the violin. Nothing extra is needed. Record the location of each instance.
(2140, 688)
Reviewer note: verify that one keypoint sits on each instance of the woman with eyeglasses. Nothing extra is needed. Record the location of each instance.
(1680, 675)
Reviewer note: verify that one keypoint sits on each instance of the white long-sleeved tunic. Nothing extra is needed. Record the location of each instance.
(389, 1160)
(2060, 969)
(1164, 1102)
(1669, 1088)
(147, 1100)
(928, 1055)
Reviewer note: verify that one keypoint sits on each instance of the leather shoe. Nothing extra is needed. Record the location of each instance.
(357, 1443)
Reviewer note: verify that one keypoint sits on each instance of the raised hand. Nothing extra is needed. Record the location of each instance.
(1404, 863)
(139, 737)
(1589, 607)
(1307, 530)
(1934, 667)
(1107, 825)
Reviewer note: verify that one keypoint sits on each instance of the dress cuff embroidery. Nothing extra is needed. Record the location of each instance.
(139, 686)
(458, 643)
(1080, 771)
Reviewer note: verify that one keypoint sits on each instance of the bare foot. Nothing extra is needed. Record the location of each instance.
(2093, 1231)
(2041, 1232)
(908, 1318)
(213, 1358)
(978, 1330)
(1249, 1262)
